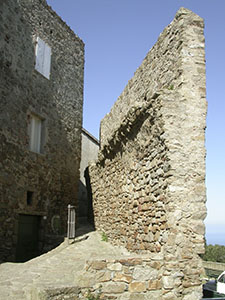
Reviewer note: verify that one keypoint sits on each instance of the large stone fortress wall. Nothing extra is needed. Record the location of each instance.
(50, 178)
(149, 181)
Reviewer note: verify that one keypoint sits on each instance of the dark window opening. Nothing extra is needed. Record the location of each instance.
(29, 197)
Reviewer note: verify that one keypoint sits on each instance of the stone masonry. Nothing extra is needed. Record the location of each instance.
(37, 186)
(149, 181)
(85, 269)
(89, 152)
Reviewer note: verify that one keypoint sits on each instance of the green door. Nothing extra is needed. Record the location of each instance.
(27, 245)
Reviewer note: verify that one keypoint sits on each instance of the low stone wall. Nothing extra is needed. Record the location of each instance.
(123, 278)
(213, 269)
(214, 265)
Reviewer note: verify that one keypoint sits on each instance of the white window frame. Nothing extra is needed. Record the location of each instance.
(43, 57)
(36, 133)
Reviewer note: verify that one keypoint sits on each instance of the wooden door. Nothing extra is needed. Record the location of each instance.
(28, 232)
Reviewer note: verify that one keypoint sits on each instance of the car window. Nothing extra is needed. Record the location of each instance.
(222, 278)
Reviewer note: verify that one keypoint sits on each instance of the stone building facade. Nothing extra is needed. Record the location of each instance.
(149, 181)
(89, 153)
(41, 92)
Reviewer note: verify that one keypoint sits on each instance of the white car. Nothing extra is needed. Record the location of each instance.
(220, 288)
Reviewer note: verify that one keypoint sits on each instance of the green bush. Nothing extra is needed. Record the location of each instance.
(214, 253)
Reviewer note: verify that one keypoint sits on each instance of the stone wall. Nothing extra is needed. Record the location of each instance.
(149, 181)
(89, 152)
(51, 176)
(123, 278)
(213, 269)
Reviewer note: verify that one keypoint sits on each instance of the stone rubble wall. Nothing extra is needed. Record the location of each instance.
(149, 181)
(123, 278)
(53, 175)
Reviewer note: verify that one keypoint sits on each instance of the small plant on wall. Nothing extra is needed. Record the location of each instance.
(90, 296)
(171, 87)
(104, 237)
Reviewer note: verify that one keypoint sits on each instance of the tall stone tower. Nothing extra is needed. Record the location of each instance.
(42, 65)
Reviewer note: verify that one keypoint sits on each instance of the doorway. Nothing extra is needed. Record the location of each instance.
(28, 237)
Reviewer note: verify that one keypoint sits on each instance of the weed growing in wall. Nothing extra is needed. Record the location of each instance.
(90, 296)
(104, 237)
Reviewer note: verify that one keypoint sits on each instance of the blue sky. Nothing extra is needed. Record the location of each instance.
(117, 36)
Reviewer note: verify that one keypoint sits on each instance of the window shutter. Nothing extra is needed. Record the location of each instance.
(43, 58)
(35, 138)
(40, 49)
(47, 61)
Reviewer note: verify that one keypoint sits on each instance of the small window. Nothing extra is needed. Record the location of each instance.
(43, 58)
(36, 133)
(29, 197)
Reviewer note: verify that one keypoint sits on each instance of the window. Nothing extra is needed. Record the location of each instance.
(43, 58)
(222, 278)
(29, 197)
(36, 133)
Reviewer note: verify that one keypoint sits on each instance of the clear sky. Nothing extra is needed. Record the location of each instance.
(117, 36)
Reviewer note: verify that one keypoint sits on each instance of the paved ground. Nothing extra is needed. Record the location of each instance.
(55, 269)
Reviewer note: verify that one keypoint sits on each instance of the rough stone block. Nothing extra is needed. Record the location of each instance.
(113, 287)
(137, 287)
(98, 264)
(122, 277)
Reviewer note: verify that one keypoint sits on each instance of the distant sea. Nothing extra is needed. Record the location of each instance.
(215, 238)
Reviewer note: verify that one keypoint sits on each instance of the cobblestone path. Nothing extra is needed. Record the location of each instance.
(55, 269)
